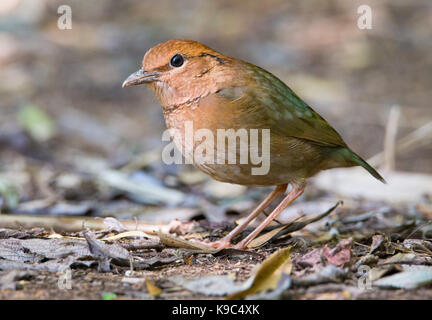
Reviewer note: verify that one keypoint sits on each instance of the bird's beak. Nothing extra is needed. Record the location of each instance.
(140, 77)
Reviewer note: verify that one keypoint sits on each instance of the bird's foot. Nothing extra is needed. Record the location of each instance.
(219, 244)
(242, 245)
(225, 244)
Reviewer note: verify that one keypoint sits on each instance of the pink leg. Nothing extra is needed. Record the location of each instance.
(294, 194)
(225, 242)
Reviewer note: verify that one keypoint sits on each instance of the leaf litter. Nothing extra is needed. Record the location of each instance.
(299, 265)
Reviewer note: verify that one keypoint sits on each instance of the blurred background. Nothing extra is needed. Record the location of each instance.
(72, 141)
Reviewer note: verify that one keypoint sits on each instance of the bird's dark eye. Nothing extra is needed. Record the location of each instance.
(177, 60)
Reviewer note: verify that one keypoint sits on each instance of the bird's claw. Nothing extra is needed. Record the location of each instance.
(219, 244)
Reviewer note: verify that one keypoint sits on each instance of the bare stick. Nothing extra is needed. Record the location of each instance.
(414, 139)
(73, 224)
(390, 139)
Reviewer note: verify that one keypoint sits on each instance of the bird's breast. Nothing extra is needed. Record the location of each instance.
(210, 132)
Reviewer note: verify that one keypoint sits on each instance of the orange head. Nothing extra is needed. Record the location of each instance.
(182, 70)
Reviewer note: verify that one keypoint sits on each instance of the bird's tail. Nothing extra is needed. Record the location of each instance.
(359, 161)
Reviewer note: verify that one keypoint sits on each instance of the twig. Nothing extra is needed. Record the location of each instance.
(408, 262)
(143, 245)
(418, 228)
(73, 224)
(414, 139)
(390, 139)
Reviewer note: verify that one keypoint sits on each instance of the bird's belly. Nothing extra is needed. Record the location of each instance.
(284, 163)
(241, 174)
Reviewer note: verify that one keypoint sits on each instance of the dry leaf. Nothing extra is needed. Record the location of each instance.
(328, 274)
(377, 241)
(208, 285)
(188, 260)
(257, 242)
(184, 244)
(340, 255)
(128, 234)
(152, 289)
(267, 275)
(414, 277)
(312, 259)
(378, 272)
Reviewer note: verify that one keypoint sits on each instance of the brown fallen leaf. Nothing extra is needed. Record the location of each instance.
(340, 255)
(312, 259)
(327, 274)
(152, 289)
(267, 274)
(377, 241)
(176, 242)
(188, 260)
(261, 240)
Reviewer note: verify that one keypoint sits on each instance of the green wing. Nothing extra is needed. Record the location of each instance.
(293, 117)
(280, 109)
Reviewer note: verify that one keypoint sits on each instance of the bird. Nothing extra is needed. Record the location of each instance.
(212, 91)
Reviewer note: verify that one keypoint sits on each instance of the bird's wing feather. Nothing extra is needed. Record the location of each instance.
(281, 109)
